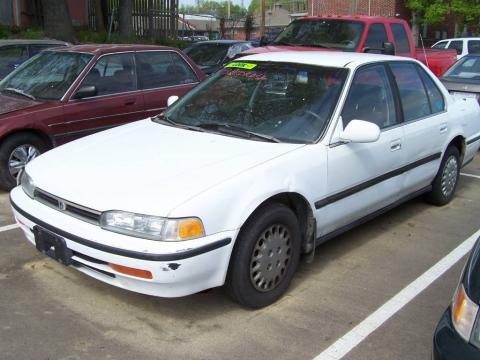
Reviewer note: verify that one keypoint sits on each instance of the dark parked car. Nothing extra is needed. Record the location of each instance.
(463, 78)
(14, 52)
(210, 56)
(457, 335)
(64, 94)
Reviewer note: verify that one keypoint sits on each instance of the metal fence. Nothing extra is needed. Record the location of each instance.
(155, 19)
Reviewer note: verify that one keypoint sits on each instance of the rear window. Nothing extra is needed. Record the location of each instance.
(400, 37)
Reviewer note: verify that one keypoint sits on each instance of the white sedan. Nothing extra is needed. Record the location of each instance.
(262, 162)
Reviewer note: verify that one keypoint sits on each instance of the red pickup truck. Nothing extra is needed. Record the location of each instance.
(357, 34)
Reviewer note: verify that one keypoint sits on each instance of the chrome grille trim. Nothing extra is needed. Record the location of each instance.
(78, 211)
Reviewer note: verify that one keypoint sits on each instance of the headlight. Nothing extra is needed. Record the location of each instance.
(464, 312)
(152, 227)
(27, 184)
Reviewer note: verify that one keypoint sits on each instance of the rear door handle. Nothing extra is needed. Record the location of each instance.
(395, 145)
(130, 102)
(443, 128)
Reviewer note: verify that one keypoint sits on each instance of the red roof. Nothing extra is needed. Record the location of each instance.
(100, 49)
(362, 18)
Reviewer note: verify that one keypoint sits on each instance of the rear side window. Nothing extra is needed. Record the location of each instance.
(437, 103)
(413, 96)
(370, 98)
(474, 46)
(457, 45)
(400, 37)
(440, 45)
(162, 68)
(376, 36)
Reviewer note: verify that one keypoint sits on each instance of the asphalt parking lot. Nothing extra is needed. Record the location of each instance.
(48, 311)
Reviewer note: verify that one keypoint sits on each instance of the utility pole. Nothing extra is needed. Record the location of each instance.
(262, 17)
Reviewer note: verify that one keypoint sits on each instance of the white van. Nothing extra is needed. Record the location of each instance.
(464, 46)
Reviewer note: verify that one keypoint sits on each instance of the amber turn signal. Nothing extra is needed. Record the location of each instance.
(144, 274)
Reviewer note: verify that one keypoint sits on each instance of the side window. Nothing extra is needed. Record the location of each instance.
(473, 46)
(113, 74)
(440, 45)
(376, 36)
(457, 45)
(400, 37)
(11, 57)
(437, 103)
(183, 71)
(370, 98)
(162, 68)
(414, 99)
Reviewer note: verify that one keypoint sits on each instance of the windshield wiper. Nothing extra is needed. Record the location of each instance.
(313, 45)
(165, 120)
(237, 131)
(19, 92)
(283, 43)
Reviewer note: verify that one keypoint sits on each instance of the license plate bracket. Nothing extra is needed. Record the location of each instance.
(52, 245)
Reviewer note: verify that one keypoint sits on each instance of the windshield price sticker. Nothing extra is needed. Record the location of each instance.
(241, 65)
(246, 74)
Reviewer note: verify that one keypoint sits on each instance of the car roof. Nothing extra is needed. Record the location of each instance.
(362, 18)
(33, 42)
(101, 49)
(323, 58)
(459, 38)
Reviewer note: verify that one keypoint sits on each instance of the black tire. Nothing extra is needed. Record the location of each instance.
(276, 257)
(445, 183)
(7, 147)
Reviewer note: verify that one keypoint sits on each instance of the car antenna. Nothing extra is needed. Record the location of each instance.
(424, 52)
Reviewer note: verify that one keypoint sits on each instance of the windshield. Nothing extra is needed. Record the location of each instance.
(466, 68)
(207, 54)
(283, 102)
(46, 76)
(328, 33)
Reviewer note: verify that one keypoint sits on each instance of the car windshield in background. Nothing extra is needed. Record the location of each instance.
(281, 102)
(207, 54)
(466, 68)
(336, 34)
(46, 76)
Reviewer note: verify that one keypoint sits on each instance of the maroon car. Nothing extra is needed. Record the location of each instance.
(64, 94)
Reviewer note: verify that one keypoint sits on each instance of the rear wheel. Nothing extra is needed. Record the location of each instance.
(265, 257)
(445, 183)
(15, 152)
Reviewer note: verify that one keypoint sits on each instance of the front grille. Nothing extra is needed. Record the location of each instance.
(75, 210)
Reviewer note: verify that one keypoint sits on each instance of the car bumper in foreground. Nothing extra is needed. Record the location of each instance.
(447, 343)
(176, 268)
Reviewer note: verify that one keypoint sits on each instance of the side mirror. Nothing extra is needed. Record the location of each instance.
(85, 92)
(360, 131)
(172, 99)
(388, 48)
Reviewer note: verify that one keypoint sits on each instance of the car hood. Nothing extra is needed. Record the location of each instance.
(145, 167)
(13, 103)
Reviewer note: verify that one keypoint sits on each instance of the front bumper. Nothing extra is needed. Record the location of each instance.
(178, 268)
(448, 345)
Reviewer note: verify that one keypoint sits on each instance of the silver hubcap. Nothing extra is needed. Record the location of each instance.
(270, 258)
(449, 176)
(20, 156)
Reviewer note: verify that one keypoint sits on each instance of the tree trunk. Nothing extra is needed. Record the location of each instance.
(99, 19)
(125, 13)
(415, 28)
(58, 23)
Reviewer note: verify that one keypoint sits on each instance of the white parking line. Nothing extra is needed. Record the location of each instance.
(470, 175)
(355, 336)
(8, 227)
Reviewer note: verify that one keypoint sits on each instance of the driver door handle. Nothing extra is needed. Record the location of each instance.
(396, 145)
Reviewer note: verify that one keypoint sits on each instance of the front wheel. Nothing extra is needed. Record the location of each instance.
(15, 152)
(445, 183)
(265, 257)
